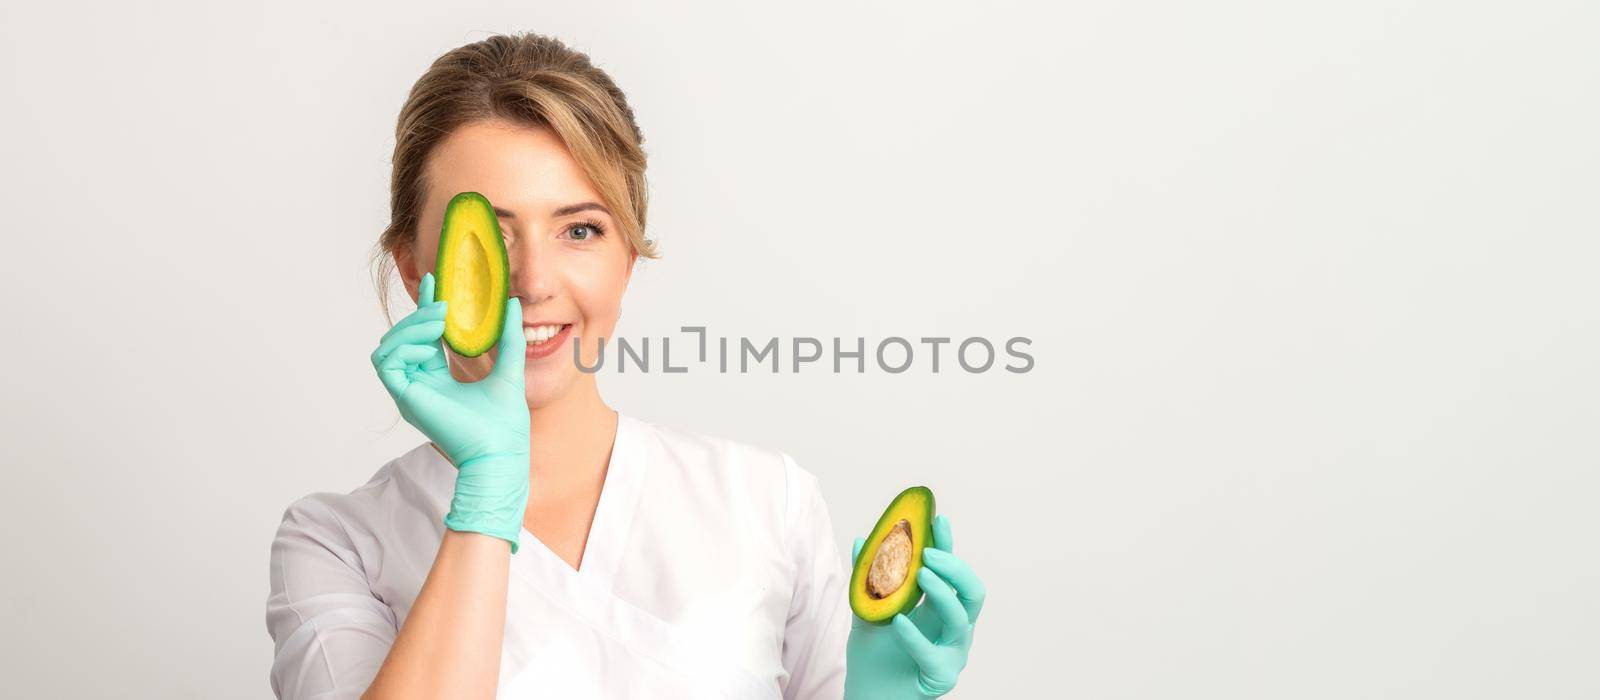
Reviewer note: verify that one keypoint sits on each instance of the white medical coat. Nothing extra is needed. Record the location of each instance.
(710, 571)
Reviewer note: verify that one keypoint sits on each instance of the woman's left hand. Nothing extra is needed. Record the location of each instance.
(919, 655)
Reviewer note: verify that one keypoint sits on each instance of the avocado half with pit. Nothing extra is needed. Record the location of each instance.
(473, 274)
(884, 580)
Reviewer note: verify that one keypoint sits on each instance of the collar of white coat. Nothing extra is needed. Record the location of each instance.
(587, 591)
(608, 532)
(613, 517)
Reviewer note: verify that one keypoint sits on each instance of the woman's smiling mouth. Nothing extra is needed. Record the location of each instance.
(545, 338)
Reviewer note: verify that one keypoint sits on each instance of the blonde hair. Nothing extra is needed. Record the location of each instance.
(528, 79)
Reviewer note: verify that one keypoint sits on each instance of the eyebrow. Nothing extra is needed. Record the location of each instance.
(568, 210)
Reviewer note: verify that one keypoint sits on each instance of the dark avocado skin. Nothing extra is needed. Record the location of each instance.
(456, 226)
(916, 502)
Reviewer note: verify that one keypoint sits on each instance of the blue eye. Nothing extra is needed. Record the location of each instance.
(585, 230)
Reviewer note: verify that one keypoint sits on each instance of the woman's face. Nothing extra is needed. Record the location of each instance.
(569, 264)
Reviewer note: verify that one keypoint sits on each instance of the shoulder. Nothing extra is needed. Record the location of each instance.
(345, 523)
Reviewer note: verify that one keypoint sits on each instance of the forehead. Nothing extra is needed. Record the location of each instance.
(518, 167)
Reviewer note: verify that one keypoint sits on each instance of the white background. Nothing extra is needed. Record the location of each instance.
(1311, 286)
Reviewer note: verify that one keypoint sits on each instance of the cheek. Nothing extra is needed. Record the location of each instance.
(596, 285)
(470, 369)
(477, 367)
(425, 250)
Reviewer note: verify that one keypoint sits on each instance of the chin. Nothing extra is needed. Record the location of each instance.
(542, 391)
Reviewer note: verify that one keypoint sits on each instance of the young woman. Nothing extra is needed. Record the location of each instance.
(542, 544)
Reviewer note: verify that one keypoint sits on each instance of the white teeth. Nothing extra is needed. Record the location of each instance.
(539, 334)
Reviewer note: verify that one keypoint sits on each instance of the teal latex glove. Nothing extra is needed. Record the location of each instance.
(482, 426)
(919, 655)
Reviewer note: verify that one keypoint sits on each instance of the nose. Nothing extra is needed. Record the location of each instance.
(532, 273)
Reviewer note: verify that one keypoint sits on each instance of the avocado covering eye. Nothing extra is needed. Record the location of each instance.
(883, 582)
(473, 274)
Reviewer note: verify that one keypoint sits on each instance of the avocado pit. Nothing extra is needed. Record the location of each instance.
(891, 562)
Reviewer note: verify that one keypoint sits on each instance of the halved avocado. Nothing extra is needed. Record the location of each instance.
(884, 580)
(473, 274)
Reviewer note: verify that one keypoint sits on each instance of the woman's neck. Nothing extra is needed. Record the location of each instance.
(571, 437)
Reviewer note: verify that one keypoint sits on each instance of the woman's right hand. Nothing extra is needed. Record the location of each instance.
(482, 427)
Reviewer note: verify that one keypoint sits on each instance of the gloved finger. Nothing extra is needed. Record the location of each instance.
(942, 537)
(511, 357)
(428, 314)
(950, 610)
(425, 290)
(414, 333)
(911, 641)
(384, 357)
(404, 330)
(855, 550)
(437, 365)
(394, 369)
(968, 587)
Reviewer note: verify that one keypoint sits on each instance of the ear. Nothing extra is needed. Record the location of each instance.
(627, 277)
(406, 264)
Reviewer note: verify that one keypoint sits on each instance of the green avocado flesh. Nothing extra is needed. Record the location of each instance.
(883, 582)
(472, 274)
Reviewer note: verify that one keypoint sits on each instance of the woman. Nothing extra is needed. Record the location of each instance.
(541, 543)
